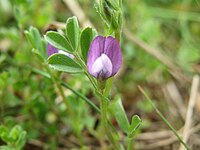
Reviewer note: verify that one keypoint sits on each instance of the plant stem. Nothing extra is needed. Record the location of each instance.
(118, 35)
(164, 119)
(82, 63)
(82, 97)
(104, 120)
(86, 100)
(130, 143)
(104, 104)
(108, 86)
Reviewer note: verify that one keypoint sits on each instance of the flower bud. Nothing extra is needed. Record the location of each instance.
(104, 57)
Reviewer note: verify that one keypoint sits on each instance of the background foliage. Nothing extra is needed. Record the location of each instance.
(30, 102)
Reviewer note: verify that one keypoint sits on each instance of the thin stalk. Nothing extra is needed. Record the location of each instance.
(82, 97)
(86, 100)
(118, 35)
(91, 80)
(1, 103)
(108, 86)
(103, 102)
(82, 63)
(104, 107)
(164, 119)
(130, 143)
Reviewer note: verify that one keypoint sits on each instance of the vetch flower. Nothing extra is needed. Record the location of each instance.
(104, 57)
(52, 50)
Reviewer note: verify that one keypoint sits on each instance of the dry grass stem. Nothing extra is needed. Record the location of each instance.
(176, 98)
(191, 105)
(154, 135)
(158, 144)
(162, 138)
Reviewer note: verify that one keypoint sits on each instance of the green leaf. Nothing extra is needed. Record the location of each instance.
(87, 35)
(37, 42)
(72, 32)
(4, 133)
(114, 21)
(21, 140)
(135, 123)
(19, 136)
(30, 38)
(120, 116)
(16, 136)
(62, 62)
(33, 35)
(58, 41)
(15, 132)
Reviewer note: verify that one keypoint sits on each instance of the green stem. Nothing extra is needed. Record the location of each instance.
(103, 102)
(82, 63)
(2, 104)
(118, 35)
(87, 101)
(104, 108)
(130, 143)
(104, 105)
(108, 86)
(164, 119)
(82, 97)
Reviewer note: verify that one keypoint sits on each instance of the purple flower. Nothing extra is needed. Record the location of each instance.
(104, 57)
(52, 50)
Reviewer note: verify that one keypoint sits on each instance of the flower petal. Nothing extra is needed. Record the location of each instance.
(51, 50)
(113, 51)
(95, 51)
(101, 50)
(102, 67)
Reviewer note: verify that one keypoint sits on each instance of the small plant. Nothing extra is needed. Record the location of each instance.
(79, 86)
(14, 138)
(98, 57)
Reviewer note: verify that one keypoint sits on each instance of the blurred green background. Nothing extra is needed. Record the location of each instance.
(31, 101)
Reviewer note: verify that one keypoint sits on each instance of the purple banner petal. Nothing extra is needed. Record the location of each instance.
(104, 57)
